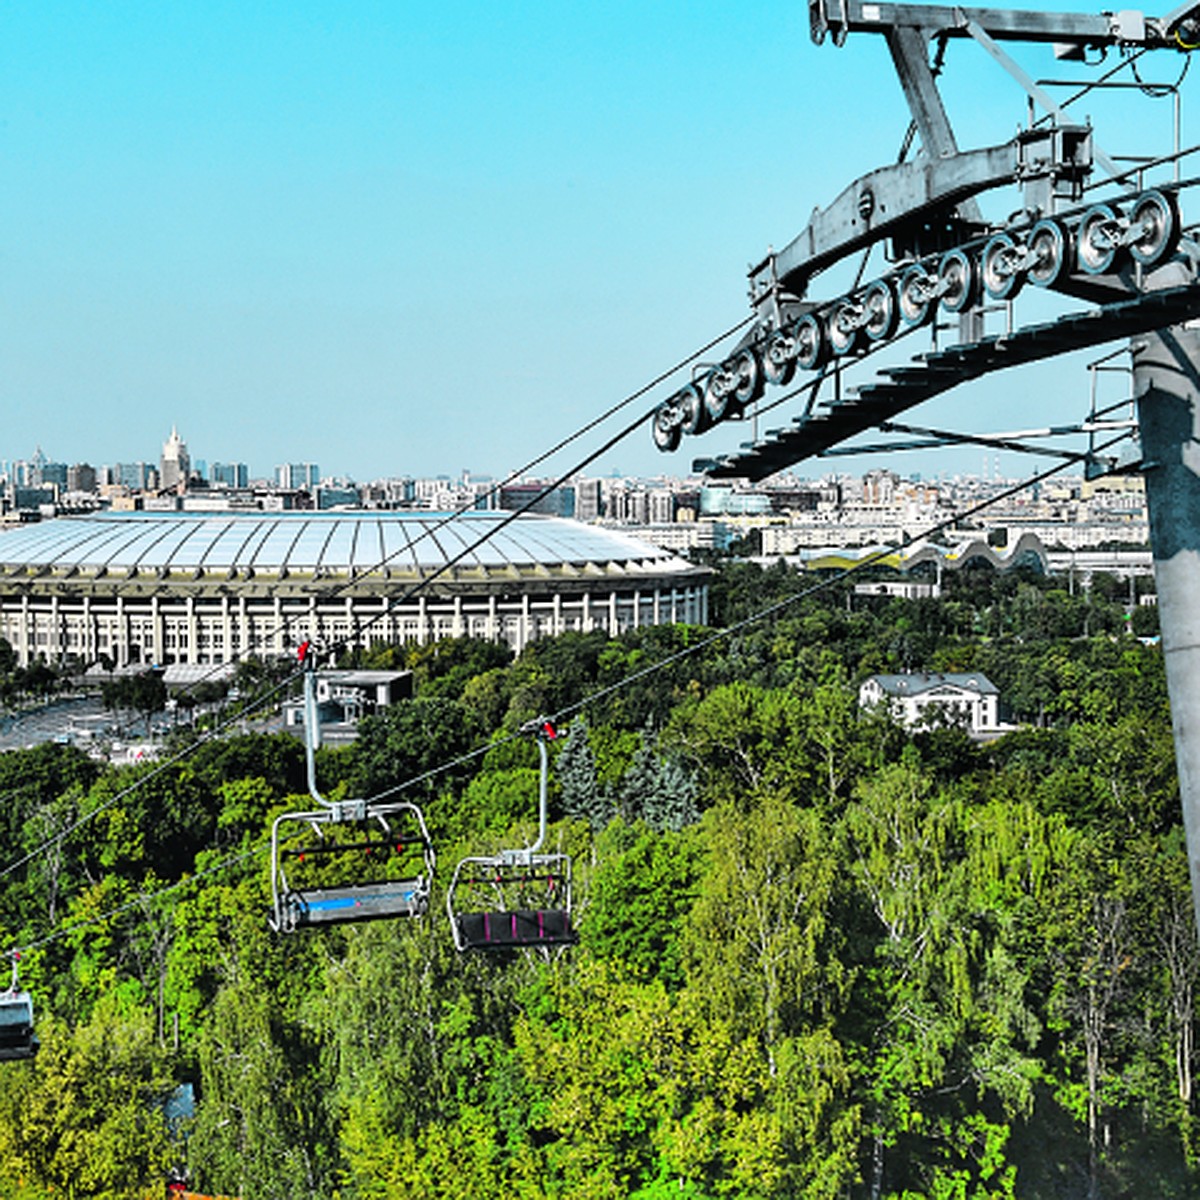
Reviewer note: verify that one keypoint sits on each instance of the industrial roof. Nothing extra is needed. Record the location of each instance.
(322, 543)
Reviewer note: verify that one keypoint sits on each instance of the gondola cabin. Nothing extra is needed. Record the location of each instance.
(17, 1039)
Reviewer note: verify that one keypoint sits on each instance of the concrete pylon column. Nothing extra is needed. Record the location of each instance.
(1166, 381)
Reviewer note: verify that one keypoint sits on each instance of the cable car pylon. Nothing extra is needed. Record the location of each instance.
(1133, 256)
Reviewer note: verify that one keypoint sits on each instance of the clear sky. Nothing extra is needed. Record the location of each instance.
(401, 238)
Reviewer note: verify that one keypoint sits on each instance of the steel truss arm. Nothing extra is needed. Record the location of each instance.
(928, 439)
(883, 202)
(942, 370)
(838, 18)
(944, 182)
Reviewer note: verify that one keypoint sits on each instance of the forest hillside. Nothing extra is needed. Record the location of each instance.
(820, 955)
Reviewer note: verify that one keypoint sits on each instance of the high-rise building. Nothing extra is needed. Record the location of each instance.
(337, 496)
(234, 475)
(81, 478)
(298, 476)
(527, 497)
(53, 475)
(661, 506)
(175, 465)
(29, 499)
(588, 505)
(138, 477)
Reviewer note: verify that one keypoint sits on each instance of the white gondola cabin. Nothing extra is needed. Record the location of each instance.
(17, 1038)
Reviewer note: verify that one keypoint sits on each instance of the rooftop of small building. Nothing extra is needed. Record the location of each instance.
(916, 682)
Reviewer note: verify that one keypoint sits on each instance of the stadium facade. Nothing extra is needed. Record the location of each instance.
(162, 588)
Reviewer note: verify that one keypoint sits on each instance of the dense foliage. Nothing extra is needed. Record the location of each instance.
(821, 956)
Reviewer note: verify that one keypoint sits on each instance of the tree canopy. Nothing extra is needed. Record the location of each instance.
(820, 954)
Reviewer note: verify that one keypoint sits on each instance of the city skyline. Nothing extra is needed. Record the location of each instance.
(412, 235)
(285, 473)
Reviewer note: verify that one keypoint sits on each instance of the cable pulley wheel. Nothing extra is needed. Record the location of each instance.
(690, 400)
(845, 325)
(719, 386)
(665, 428)
(957, 280)
(1099, 239)
(916, 296)
(812, 349)
(882, 311)
(1154, 226)
(750, 378)
(1049, 252)
(779, 357)
(736, 383)
(1001, 267)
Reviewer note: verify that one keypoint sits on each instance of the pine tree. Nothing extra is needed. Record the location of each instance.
(674, 797)
(583, 796)
(657, 790)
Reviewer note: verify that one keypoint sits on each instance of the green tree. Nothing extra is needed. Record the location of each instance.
(942, 1004)
(259, 1125)
(641, 893)
(658, 790)
(760, 945)
(85, 1119)
(410, 740)
(584, 798)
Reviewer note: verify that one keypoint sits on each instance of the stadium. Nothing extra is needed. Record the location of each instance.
(207, 588)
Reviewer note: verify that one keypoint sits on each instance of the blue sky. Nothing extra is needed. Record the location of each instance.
(409, 239)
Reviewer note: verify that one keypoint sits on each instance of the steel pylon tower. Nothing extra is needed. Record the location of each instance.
(1129, 258)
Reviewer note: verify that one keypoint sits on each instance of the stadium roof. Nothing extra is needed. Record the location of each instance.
(324, 543)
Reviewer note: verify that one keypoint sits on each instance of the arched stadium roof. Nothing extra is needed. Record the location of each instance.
(1026, 551)
(323, 544)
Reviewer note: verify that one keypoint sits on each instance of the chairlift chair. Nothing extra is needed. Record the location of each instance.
(516, 899)
(392, 839)
(17, 1039)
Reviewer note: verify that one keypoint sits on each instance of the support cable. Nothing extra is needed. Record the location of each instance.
(495, 490)
(559, 716)
(65, 926)
(61, 835)
(408, 594)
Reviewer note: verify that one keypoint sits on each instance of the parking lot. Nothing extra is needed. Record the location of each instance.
(75, 720)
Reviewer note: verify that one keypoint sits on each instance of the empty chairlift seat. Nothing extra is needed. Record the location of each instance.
(517, 899)
(359, 902)
(323, 873)
(511, 901)
(349, 860)
(514, 930)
